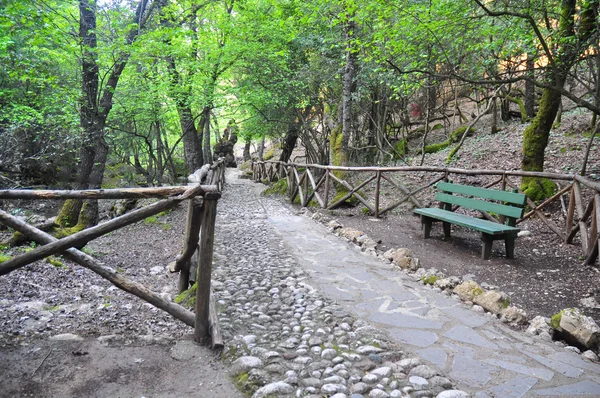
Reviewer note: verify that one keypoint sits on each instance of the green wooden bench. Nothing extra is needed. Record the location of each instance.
(503, 203)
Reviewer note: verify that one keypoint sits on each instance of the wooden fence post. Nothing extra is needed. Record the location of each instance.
(377, 193)
(207, 238)
(192, 232)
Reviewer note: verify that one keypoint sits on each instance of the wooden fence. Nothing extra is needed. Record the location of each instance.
(202, 211)
(308, 182)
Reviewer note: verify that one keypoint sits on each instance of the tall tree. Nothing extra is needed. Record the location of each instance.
(96, 104)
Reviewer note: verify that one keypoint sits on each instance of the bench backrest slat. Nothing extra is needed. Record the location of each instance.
(475, 204)
(518, 199)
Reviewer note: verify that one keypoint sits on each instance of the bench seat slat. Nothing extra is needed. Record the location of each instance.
(518, 199)
(485, 226)
(475, 204)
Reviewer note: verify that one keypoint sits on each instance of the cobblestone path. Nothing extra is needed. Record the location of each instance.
(307, 314)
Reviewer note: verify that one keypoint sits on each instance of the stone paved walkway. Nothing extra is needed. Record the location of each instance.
(478, 353)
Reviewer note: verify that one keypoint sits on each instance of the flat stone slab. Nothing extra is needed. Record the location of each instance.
(435, 355)
(586, 387)
(526, 370)
(416, 337)
(465, 334)
(515, 388)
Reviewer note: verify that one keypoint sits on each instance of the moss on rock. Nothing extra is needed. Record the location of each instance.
(429, 279)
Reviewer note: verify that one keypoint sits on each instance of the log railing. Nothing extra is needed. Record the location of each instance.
(202, 211)
(312, 181)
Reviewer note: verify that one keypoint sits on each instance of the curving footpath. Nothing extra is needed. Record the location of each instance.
(307, 314)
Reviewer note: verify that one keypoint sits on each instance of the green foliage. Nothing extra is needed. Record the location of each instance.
(56, 262)
(269, 154)
(4, 258)
(400, 149)
(277, 188)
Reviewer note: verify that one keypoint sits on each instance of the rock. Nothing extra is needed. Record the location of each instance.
(368, 349)
(312, 382)
(523, 233)
(351, 234)
(389, 255)
(407, 364)
(377, 393)
(539, 325)
(333, 388)
(274, 389)
(491, 301)
(360, 388)
(423, 371)
(440, 381)
(478, 308)
(317, 216)
(589, 302)
(452, 394)
(402, 258)
(66, 337)
(514, 315)
(468, 290)
(447, 283)
(384, 371)
(418, 381)
(367, 243)
(333, 225)
(244, 364)
(249, 339)
(328, 353)
(370, 378)
(575, 326)
(590, 356)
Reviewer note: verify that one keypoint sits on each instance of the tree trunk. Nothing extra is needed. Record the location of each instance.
(530, 87)
(289, 143)
(494, 122)
(261, 148)
(247, 149)
(192, 144)
(206, 135)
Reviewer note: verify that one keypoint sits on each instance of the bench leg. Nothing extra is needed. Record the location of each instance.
(426, 222)
(486, 251)
(446, 226)
(509, 242)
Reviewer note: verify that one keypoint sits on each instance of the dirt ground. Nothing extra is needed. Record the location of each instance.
(53, 369)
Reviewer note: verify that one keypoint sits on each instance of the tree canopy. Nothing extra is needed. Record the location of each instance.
(149, 86)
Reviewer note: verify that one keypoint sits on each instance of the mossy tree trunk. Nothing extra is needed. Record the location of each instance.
(536, 135)
(535, 140)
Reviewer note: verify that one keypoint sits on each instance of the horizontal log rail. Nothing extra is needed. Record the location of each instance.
(121, 193)
(199, 239)
(308, 181)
